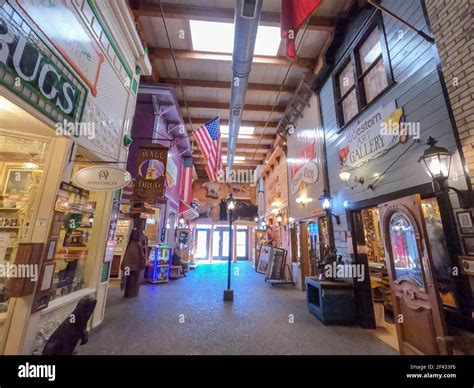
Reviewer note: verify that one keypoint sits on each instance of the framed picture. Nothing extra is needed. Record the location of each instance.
(264, 259)
(18, 182)
(465, 222)
(468, 242)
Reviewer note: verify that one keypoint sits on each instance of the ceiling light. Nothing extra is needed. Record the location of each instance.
(243, 131)
(218, 37)
(212, 36)
(268, 40)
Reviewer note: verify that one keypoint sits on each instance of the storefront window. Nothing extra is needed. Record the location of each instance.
(439, 251)
(371, 63)
(21, 169)
(76, 248)
(405, 253)
(348, 93)
(363, 75)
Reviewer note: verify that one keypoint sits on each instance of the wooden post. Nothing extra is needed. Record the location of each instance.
(304, 258)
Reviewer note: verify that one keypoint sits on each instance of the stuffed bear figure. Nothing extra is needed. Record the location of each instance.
(72, 330)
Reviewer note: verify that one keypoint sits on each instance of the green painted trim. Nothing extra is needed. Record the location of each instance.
(109, 37)
(134, 86)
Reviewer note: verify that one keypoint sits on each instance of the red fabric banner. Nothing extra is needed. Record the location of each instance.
(293, 14)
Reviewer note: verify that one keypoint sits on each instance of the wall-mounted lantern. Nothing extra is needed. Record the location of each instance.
(326, 203)
(345, 176)
(437, 163)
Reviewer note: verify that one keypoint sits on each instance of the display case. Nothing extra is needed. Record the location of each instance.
(159, 264)
(121, 241)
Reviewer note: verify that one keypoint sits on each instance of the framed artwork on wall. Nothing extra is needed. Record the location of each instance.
(465, 222)
(468, 243)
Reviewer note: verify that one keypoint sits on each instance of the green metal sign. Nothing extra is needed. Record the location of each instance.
(30, 69)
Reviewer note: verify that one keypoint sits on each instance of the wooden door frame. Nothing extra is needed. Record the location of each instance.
(429, 287)
(453, 316)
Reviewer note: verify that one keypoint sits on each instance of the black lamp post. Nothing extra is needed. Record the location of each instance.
(229, 293)
(437, 163)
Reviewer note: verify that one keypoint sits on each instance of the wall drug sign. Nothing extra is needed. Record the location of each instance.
(31, 70)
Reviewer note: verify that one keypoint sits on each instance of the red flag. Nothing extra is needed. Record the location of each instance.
(293, 14)
(186, 189)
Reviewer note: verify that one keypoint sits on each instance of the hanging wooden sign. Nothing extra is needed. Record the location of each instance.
(151, 174)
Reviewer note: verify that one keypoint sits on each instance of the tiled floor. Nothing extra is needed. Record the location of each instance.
(188, 316)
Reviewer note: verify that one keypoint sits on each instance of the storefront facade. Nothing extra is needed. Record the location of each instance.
(57, 118)
(308, 230)
(386, 77)
(158, 121)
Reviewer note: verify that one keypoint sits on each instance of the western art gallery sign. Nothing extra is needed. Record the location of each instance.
(30, 69)
(368, 138)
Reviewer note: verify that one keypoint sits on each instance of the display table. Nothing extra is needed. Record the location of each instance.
(331, 302)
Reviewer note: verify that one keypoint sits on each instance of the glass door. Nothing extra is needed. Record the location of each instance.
(242, 244)
(202, 244)
(220, 244)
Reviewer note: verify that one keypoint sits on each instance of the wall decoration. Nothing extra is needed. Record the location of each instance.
(212, 189)
(18, 182)
(207, 196)
(364, 140)
(465, 222)
(468, 242)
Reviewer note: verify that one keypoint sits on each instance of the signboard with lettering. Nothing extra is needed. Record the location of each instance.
(68, 36)
(150, 178)
(305, 158)
(102, 178)
(365, 139)
(30, 69)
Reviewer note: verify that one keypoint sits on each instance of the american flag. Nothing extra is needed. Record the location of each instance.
(208, 137)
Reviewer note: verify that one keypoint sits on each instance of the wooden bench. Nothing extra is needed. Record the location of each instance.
(175, 271)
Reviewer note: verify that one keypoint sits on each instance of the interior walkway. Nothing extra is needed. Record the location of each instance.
(257, 322)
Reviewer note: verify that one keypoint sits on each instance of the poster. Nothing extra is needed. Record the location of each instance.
(264, 259)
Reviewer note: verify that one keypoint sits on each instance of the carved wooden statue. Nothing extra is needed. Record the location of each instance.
(65, 338)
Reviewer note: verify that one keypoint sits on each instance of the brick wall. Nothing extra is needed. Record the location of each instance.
(452, 27)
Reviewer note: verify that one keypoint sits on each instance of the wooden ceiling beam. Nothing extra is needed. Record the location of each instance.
(226, 106)
(260, 150)
(248, 156)
(227, 85)
(244, 123)
(165, 53)
(242, 140)
(241, 165)
(174, 11)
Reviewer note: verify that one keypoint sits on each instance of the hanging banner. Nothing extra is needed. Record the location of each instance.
(151, 175)
(305, 172)
(366, 139)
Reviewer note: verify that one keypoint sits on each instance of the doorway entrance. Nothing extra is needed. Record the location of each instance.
(402, 243)
(220, 243)
(202, 244)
